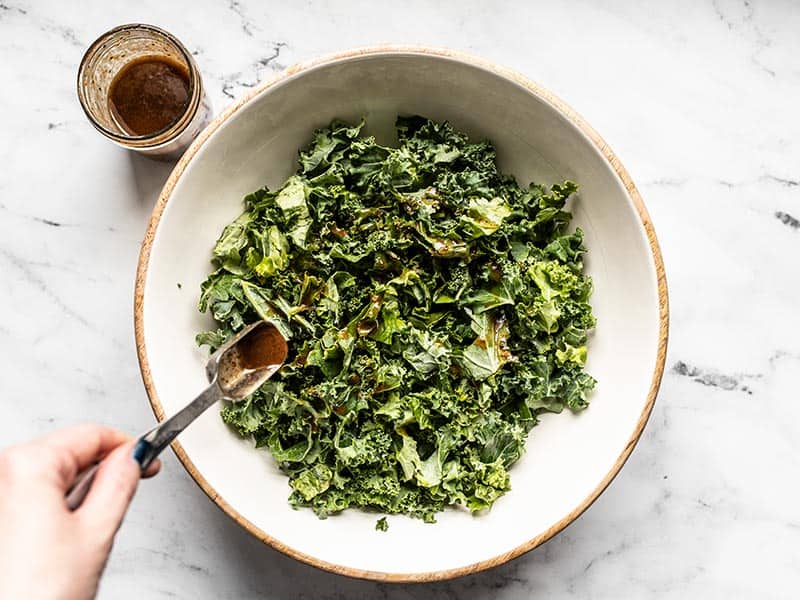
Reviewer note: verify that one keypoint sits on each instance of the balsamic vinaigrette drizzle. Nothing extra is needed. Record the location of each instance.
(149, 94)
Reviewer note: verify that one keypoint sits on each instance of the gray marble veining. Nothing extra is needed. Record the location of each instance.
(699, 99)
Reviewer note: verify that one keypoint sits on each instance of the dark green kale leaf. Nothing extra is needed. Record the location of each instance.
(381, 524)
(434, 309)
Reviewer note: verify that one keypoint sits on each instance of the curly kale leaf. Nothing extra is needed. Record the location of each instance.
(435, 309)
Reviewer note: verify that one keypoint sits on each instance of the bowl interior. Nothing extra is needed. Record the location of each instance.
(568, 457)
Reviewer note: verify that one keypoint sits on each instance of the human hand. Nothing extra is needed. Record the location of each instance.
(46, 550)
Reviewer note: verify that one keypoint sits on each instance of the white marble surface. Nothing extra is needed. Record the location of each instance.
(699, 99)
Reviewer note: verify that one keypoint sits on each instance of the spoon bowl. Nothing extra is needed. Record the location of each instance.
(247, 360)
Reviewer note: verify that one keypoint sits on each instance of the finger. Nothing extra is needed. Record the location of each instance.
(81, 446)
(111, 492)
(152, 469)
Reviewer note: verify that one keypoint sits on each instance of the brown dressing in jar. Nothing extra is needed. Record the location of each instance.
(149, 94)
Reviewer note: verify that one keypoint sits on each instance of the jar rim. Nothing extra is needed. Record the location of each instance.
(161, 136)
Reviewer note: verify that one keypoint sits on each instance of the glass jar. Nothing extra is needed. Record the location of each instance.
(108, 56)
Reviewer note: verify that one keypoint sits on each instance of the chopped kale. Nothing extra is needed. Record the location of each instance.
(434, 309)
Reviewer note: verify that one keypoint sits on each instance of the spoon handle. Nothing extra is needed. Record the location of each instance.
(150, 445)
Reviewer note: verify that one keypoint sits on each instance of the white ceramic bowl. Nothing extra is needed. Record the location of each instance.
(570, 459)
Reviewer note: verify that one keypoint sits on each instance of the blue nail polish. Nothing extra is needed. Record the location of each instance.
(140, 451)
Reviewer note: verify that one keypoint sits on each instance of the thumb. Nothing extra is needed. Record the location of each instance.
(112, 490)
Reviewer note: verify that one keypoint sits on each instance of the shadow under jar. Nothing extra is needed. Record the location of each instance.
(140, 87)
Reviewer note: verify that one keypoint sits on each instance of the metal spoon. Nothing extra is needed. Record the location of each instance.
(234, 371)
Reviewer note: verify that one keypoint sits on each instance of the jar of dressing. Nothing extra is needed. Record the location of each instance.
(141, 88)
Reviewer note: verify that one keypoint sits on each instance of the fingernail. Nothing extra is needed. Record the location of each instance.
(140, 451)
